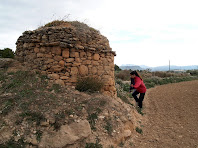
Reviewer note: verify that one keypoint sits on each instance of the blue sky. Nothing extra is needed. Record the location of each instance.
(141, 32)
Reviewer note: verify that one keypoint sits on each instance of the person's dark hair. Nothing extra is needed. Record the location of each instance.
(136, 73)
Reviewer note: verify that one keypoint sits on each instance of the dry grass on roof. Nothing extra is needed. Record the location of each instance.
(68, 24)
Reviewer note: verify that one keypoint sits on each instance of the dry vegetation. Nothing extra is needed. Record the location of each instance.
(30, 106)
(174, 113)
(71, 24)
(30, 100)
(152, 79)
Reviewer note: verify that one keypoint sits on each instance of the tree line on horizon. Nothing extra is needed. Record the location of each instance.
(7, 53)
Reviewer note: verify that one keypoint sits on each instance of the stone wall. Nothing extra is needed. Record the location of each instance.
(67, 52)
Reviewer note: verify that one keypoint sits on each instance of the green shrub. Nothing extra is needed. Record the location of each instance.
(124, 86)
(7, 106)
(152, 82)
(89, 84)
(193, 72)
(162, 74)
(123, 75)
(123, 97)
(3, 76)
(108, 126)
(6, 53)
(33, 117)
(131, 144)
(118, 81)
(60, 119)
(121, 93)
(56, 88)
(139, 110)
(39, 135)
(121, 144)
(102, 103)
(17, 81)
(92, 120)
(139, 130)
(117, 68)
(14, 144)
(93, 116)
(150, 85)
(93, 145)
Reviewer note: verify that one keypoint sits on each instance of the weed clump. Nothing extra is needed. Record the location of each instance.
(89, 84)
(139, 130)
(122, 91)
(92, 120)
(93, 145)
(123, 75)
(121, 144)
(64, 23)
(108, 126)
(139, 110)
(55, 23)
(14, 144)
(33, 117)
(39, 135)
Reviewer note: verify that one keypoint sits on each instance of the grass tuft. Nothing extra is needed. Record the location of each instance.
(121, 144)
(39, 135)
(89, 84)
(92, 120)
(93, 145)
(14, 144)
(33, 117)
(139, 110)
(139, 130)
(108, 126)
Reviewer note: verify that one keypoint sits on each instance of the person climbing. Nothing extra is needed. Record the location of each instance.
(139, 86)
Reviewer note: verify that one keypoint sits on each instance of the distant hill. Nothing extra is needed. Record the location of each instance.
(158, 68)
(131, 67)
(173, 67)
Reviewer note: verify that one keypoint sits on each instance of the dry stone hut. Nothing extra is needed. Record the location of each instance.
(67, 50)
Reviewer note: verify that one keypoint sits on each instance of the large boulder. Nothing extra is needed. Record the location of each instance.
(67, 135)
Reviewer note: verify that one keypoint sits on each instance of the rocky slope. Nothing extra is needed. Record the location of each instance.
(36, 113)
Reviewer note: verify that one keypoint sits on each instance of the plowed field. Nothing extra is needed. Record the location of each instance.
(171, 117)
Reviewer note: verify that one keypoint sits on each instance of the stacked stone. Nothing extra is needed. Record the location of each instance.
(66, 53)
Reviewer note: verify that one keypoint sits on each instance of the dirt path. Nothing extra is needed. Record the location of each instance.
(171, 119)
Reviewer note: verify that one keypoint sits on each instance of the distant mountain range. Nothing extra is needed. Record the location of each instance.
(131, 67)
(159, 68)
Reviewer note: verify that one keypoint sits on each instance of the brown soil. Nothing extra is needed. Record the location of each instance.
(171, 118)
(34, 111)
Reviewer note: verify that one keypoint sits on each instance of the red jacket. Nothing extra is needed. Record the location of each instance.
(139, 85)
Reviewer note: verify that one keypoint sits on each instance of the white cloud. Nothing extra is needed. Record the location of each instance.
(141, 32)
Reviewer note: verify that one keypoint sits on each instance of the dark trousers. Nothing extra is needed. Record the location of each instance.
(140, 99)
